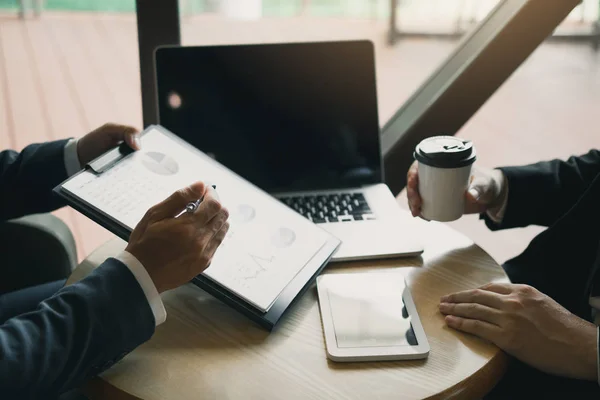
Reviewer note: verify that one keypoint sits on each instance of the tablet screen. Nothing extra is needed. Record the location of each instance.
(370, 312)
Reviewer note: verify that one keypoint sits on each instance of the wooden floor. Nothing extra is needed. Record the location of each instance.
(65, 74)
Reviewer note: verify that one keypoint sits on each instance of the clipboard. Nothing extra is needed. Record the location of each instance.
(286, 298)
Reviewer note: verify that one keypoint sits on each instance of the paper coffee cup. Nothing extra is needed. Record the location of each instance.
(445, 164)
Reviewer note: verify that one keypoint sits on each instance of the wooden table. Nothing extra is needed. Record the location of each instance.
(205, 350)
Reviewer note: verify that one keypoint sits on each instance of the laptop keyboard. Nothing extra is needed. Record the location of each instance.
(335, 207)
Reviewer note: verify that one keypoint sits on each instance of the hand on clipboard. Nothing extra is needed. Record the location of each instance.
(253, 270)
(176, 238)
(106, 137)
(175, 250)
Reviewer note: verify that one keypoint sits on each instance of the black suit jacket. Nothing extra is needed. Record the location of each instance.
(563, 260)
(83, 329)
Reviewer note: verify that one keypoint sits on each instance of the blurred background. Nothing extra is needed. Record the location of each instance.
(68, 66)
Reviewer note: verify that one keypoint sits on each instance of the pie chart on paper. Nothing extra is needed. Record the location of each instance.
(283, 238)
(245, 213)
(160, 163)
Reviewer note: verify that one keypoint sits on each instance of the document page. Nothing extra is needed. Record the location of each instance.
(267, 244)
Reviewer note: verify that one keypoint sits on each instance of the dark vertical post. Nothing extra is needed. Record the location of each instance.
(157, 24)
(393, 30)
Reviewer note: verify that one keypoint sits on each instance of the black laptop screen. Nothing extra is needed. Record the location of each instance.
(284, 116)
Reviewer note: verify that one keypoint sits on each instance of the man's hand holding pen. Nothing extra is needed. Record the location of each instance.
(175, 250)
(192, 206)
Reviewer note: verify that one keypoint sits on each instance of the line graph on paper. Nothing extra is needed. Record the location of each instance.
(256, 265)
(259, 266)
(261, 253)
(260, 259)
(247, 274)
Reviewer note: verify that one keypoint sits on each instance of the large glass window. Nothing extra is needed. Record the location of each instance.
(65, 69)
(72, 65)
(527, 110)
(424, 31)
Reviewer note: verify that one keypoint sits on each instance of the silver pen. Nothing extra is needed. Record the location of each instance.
(192, 206)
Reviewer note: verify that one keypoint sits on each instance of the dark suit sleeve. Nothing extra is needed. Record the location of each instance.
(27, 179)
(540, 193)
(76, 334)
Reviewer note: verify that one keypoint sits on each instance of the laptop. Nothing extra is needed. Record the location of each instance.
(298, 120)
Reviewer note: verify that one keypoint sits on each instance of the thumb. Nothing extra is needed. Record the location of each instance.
(131, 136)
(178, 200)
(172, 205)
(477, 196)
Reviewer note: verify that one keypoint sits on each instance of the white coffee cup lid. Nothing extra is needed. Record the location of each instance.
(445, 152)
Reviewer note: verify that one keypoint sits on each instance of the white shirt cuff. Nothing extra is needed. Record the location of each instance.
(141, 275)
(497, 214)
(72, 164)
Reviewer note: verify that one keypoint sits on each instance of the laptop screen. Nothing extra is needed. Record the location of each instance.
(286, 117)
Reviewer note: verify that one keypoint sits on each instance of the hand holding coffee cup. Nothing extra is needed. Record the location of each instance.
(443, 184)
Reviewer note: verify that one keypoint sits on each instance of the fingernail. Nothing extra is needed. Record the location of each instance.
(137, 141)
(444, 299)
(473, 192)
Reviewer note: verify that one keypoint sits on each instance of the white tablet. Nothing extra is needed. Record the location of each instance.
(370, 316)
